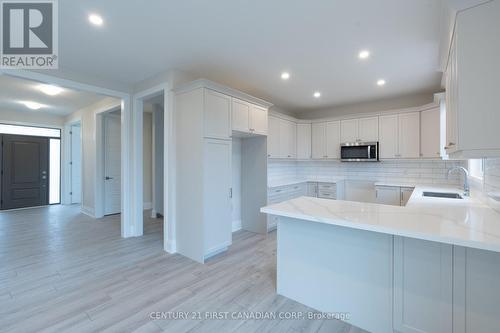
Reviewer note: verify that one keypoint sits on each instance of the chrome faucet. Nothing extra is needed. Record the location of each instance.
(466, 178)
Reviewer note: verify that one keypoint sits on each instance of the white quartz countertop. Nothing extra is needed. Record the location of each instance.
(468, 222)
(293, 181)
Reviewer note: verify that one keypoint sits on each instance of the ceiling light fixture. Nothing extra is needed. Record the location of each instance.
(365, 54)
(50, 89)
(96, 19)
(285, 76)
(317, 94)
(32, 105)
(381, 82)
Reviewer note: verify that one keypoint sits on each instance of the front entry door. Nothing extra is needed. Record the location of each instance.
(25, 171)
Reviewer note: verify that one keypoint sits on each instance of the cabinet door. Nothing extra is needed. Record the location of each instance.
(241, 116)
(216, 195)
(287, 142)
(319, 141)
(333, 139)
(368, 129)
(258, 120)
(406, 193)
(451, 99)
(422, 286)
(312, 190)
(349, 130)
(409, 135)
(303, 141)
(217, 115)
(388, 141)
(388, 195)
(430, 133)
(273, 138)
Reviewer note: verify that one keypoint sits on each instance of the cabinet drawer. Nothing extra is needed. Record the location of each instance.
(327, 186)
(327, 194)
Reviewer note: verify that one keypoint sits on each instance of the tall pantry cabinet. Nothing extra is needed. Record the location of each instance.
(203, 170)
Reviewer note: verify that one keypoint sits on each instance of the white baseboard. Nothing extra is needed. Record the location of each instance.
(171, 246)
(216, 250)
(147, 205)
(236, 225)
(88, 211)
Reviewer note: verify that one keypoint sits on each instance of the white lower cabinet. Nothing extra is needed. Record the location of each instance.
(280, 194)
(388, 195)
(423, 280)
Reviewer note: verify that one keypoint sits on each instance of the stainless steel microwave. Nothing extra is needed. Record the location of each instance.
(359, 152)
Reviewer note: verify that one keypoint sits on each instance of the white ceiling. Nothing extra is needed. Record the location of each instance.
(14, 90)
(247, 44)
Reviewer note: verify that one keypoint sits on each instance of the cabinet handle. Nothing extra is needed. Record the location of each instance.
(231, 193)
(451, 144)
(268, 155)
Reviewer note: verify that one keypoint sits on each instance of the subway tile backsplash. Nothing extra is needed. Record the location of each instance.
(421, 171)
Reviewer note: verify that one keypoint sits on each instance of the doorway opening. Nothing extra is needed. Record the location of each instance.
(30, 159)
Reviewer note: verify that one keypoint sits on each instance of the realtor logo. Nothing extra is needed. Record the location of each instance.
(29, 34)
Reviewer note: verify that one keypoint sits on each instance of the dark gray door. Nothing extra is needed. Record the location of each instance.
(25, 173)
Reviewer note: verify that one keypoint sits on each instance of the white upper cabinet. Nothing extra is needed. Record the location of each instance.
(349, 130)
(217, 115)
(288, 139)
(362, 129)
(429, 133)
(400, 135)
(241, 115)
(368, 129)
(333, 139)
(473, 92)
(409, 135)
(303, 141)
(273, 139)
(388, 142)
(248, 118)
(258, 120)
(318, 141)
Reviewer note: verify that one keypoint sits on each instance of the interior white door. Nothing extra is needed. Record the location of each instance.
(333, 139)
(430, 133)
(76, 164)
(112, 164)
(388, 136)
(409, 135)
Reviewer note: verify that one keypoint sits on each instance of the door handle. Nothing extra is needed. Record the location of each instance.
(108, 178)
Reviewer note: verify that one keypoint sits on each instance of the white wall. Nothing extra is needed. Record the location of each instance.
(31, 118)
(371, 106)
(236, 185)
(89, 158)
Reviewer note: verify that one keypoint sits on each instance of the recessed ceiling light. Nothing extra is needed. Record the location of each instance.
(32, 105)
(50, 89)
(381, 82)
(365, 54)
(285, 76)
(96, 19)
(317, 94)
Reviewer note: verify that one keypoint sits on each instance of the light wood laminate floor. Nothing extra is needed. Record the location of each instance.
(61, 271)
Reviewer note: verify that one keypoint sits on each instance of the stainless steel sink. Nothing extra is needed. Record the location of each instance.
(442, 195)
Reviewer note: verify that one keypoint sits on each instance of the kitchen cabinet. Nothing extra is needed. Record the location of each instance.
(282, 138)
(312, 189)
(258, 120)
(406, 193)
(430, 133)
(388, 195)
(360, 130)
(217, 115)
(287, 139)
(304, 141)
(423, 281)
(409, 135)
(248, 118)
(282, 193)
(326, 140)
(472, 90)
(400, 135)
